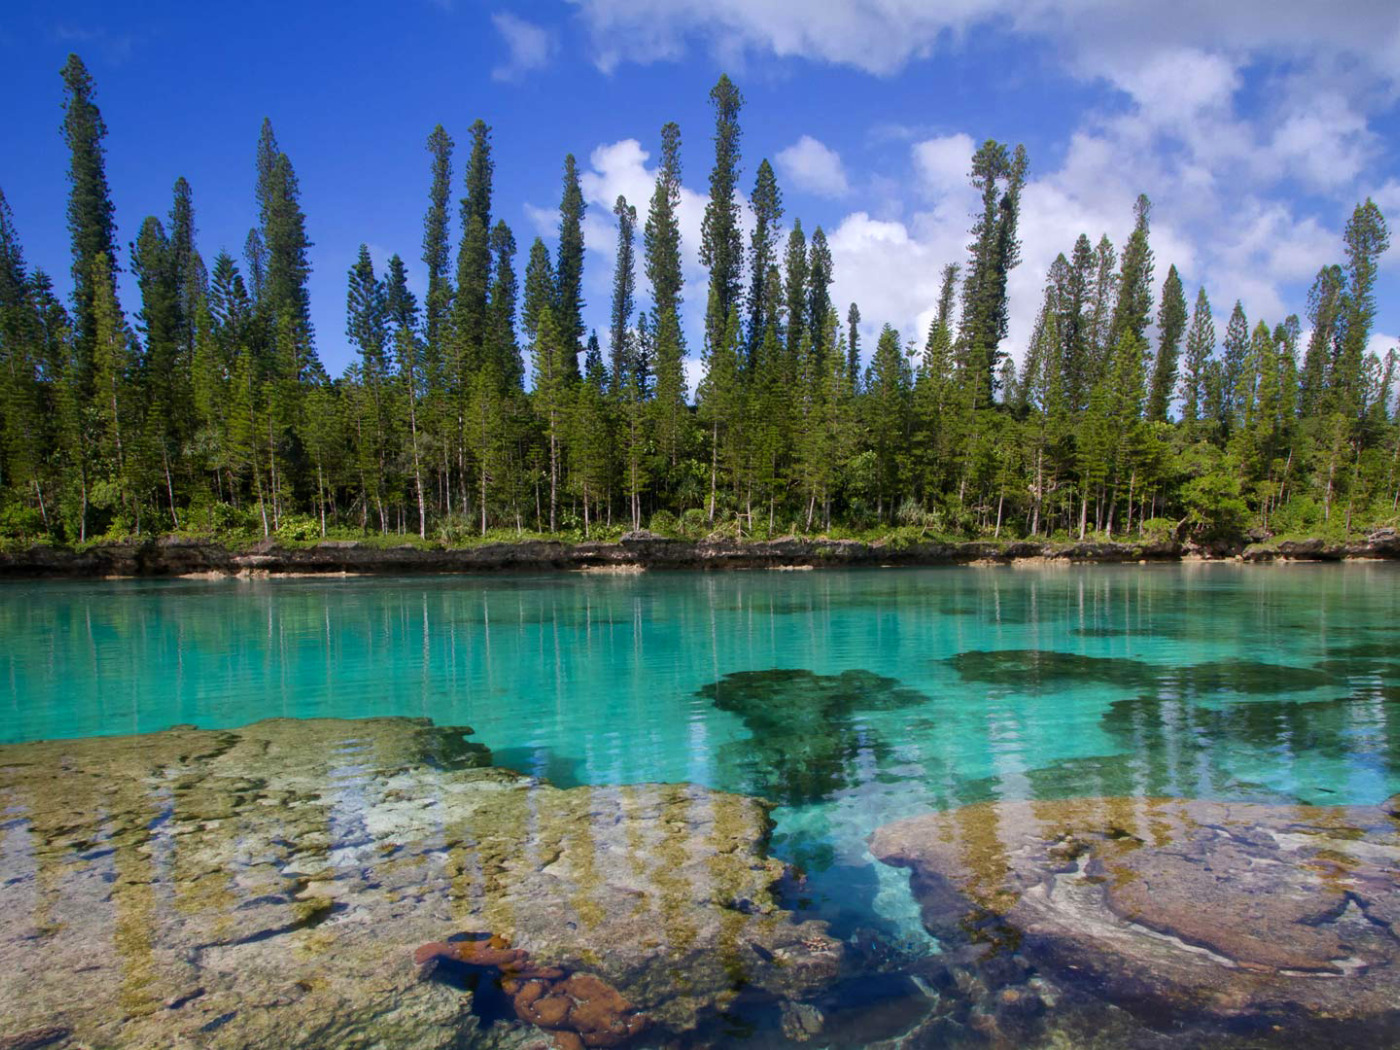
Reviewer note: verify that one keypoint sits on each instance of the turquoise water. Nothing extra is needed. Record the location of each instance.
(851, 698)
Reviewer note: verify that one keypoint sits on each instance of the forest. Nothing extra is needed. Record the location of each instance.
(488, 410)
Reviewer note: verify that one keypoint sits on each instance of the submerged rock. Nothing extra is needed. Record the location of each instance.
(1174, 908)
(577, 1009)
(1037, 670)
(267, 887)
(807, 730)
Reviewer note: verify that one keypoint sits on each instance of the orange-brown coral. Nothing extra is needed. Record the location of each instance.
(578, 1009)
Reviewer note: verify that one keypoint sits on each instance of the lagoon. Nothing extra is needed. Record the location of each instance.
(848, 698)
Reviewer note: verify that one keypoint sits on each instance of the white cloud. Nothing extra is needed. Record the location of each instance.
(1381, 344)
(814, 167)
(882, 36)
(943, 163)
(891, 272)
(531, 47)
(1326, 144)
(1225, 112)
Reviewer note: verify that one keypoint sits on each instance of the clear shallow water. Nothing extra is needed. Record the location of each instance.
(852, 698)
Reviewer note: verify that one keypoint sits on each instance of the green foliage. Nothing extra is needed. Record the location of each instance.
(298, 528)
(21, 522)
(1157, 531)
(1214, 506)
(207, 411)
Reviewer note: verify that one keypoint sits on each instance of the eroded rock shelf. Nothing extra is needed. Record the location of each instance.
(267, 887)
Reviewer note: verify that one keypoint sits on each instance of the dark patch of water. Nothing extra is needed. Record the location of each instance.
(807, 730)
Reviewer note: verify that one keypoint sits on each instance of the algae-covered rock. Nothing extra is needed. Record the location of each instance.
(267, 886)
(807, 728)
(1175, 908)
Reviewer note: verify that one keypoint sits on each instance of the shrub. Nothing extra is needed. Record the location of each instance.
(1158, 530)
(664, 523)
(693, 523)
(1215, 506)
(20, 522)
(298, 528)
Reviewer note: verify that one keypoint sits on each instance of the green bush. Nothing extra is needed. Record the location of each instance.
(693, 523)
(298, 528)
(1301, 515)
(664, 523)
(1158, 530)
(1215, 507)
(21, 522)
(913, 513)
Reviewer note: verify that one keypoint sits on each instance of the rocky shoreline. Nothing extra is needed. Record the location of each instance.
(635, 552)
(379, 883)
(1244, 914)
(268, 887)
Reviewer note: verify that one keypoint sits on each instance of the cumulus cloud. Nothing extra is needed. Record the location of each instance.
(1249, 125)
(943, 163)
(531, 47)
(883, 36)
(813, 166)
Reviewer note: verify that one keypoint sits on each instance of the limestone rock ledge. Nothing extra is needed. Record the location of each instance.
(267, 886)
(1261, 914)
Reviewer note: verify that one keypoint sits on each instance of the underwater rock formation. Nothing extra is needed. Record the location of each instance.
(1034, 670)
(805, 726)
(577, 1009)
(265, 887)
(1176, 909)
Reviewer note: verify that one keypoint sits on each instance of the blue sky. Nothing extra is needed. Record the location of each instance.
(1255, 130)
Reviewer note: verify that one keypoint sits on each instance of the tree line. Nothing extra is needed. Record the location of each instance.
(213, 412)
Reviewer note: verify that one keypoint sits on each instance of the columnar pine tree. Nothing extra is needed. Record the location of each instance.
(795, 289)
(1200, 345)
(401, 307)
(1132, 312)
(92, 224)
(1236, 376)
(1325, 302)
(819, 276)
(437, 305)
(721, 243)
(569, 271)
(853, 343)
(766, 203)
(165, 366)
(473, 260)
(367, 328)
(995, 251)
(624, 292)
(662, 242)
(284, 285)
(1171, 324)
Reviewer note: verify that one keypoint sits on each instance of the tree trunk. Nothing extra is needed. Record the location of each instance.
(169, 485)
(553, 472)
(714, 468)
(321, 495)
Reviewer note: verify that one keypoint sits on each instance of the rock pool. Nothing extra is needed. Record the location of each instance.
(231, 810)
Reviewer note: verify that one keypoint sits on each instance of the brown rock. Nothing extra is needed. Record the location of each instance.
(1233, 910)
(138, 869)
(582, 1005)
(473, 953)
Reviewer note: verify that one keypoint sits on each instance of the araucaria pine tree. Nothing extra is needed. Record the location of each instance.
(202, 406)
(721, 245)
